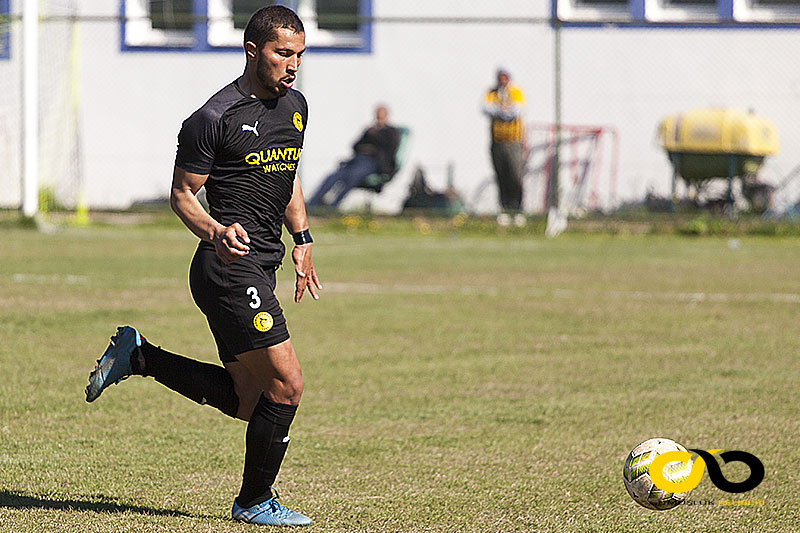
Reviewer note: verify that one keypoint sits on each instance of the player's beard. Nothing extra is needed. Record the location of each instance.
(265, 79)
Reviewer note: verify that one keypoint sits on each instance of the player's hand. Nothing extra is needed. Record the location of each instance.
(231, 243)
(306, 275)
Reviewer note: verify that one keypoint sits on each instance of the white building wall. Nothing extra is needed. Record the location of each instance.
(432, 75)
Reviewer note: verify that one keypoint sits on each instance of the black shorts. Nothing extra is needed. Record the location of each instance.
(239, 302)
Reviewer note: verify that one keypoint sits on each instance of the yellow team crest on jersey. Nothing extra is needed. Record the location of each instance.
(263, 321)
(297, 120)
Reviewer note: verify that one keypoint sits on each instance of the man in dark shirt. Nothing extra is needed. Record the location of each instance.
(243, 145)
(375, 153)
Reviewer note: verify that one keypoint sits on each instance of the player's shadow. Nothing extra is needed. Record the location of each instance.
(99, 503)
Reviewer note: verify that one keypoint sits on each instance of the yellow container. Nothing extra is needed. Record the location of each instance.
(718, 131)
(703, 144)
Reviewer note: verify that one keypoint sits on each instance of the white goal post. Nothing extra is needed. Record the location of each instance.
(30, 107)
(39, 112)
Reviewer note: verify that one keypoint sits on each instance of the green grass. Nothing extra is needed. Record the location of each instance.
(453, 383)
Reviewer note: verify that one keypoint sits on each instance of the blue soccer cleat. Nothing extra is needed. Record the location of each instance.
(269, 513)
(115, 364)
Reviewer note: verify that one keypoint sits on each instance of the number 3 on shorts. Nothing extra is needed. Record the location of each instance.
(252, 292)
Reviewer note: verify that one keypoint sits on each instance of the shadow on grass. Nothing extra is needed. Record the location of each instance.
(98, 503)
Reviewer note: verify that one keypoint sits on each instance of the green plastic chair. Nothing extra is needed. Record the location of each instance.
(375, 182)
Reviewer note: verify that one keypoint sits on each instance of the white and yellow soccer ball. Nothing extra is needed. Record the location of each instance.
(636, 474)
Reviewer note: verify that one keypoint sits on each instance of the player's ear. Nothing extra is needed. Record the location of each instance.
(250, 50)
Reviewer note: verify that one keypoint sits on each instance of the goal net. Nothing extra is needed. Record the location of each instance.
(58, 143)
(587, 170)
(587, 167)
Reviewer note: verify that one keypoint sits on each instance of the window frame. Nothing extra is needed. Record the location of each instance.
(728, 14)
(666, 11)
(138, 32)
(575, 9)
(748, 10)
(5, 20)
(328, 39)
(214, 29)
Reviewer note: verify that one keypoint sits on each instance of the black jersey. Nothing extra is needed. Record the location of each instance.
(250, 149)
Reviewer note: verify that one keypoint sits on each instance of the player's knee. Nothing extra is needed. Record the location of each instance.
(293, 390)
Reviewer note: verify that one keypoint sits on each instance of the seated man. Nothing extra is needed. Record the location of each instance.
(375, 153)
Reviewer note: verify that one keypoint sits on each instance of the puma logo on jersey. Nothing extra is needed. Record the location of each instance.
(247, 127)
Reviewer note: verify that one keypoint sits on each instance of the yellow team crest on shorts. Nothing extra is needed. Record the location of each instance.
(263, 321)
(297, 120)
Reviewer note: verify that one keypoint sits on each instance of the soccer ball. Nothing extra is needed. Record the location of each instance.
(636, 474)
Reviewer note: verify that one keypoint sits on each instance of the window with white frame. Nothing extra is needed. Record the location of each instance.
(227, 20)
(600, 10)
(159, 23)
(332, 24)
(766, 10)
(328, 23)
(5, 29)
(681, 10)
(670, 12)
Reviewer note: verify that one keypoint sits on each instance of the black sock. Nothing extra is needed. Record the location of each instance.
(203, 383)
(266, 442)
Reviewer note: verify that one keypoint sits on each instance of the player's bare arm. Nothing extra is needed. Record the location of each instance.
(296, 221)
(231, 242)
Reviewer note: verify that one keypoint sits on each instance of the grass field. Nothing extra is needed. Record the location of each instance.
(453, 382)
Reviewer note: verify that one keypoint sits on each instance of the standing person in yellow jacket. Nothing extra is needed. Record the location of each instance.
(504, 104)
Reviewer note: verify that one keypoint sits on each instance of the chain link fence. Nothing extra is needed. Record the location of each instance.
(118, 78)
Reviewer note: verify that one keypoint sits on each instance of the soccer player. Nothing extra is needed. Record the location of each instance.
(243, 146)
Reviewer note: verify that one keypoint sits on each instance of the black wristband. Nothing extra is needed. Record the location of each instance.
(302, 237)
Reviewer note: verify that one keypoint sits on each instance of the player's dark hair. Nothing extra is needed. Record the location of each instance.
(264, 24)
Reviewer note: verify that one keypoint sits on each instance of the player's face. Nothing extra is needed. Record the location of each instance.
(278, 61)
